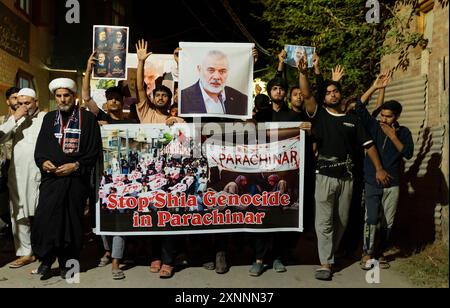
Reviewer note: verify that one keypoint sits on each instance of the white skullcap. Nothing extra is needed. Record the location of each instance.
(27, 92)
(63, 83)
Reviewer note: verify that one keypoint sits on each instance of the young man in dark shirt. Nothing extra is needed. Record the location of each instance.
(337, 135)
(114, 246)
(277, 89)
(114, 97)
(394, 143)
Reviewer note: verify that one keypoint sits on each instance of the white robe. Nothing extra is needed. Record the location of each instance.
(24, 176)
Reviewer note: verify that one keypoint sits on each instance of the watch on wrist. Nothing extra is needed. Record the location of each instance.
(77, 166)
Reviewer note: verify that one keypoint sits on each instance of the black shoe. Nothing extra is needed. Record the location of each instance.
(46, 272)
(181, 261)
(5, 231)
(41, 270)
(63, 273)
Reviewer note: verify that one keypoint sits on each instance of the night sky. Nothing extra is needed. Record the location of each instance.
(163, 23)
(190, 20)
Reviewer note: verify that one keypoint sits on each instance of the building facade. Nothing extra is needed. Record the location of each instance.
(26, 45)
(38, 44)
(421, 84)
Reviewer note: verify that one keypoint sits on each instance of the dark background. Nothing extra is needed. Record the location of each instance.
(163, 23)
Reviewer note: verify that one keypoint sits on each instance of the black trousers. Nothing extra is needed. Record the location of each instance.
(273, 245)
(62, 254)
(211, 244)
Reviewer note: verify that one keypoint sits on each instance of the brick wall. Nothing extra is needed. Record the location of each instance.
(437, 50)
(434, 63)
(40, 50)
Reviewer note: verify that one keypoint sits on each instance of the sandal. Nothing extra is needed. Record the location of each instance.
(366, 263)
(324, 273)
(104, 261)
(155, 266)
(384, 264)
(22, 261)
(118, 274)
(210, 266)
(166, 272)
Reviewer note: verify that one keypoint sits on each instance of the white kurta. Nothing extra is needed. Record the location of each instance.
(24, 176)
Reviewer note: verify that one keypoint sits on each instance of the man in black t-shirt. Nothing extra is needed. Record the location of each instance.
(337, 135)
(279, 111)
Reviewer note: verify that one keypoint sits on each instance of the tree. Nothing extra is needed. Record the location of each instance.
(341, 34)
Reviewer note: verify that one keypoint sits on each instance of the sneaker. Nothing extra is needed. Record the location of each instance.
(278, 266)
(257, 269)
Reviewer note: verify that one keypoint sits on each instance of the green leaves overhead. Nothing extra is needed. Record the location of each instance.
(339, 31)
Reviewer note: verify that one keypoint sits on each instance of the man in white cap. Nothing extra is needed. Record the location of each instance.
(24, 176)
(67, 148)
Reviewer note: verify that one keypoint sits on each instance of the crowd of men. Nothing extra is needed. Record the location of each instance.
(50, 158)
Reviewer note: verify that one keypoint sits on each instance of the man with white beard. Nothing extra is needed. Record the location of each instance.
(210, 95)
(299, 54)
(24, 176)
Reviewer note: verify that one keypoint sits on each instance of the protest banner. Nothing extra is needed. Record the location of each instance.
(184, 180)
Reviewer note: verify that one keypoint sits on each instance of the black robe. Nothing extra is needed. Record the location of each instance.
(58, 221)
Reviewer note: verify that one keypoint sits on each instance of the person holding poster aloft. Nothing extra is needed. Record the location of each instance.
(338, 137)
(156, 111)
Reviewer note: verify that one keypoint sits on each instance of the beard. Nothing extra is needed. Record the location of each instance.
(66, 108)
(211, 89)
(161, 105)
(333, 104)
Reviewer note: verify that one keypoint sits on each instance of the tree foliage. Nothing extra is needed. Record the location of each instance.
(339, 31)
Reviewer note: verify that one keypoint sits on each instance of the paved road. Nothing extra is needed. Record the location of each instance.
(298, 276)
